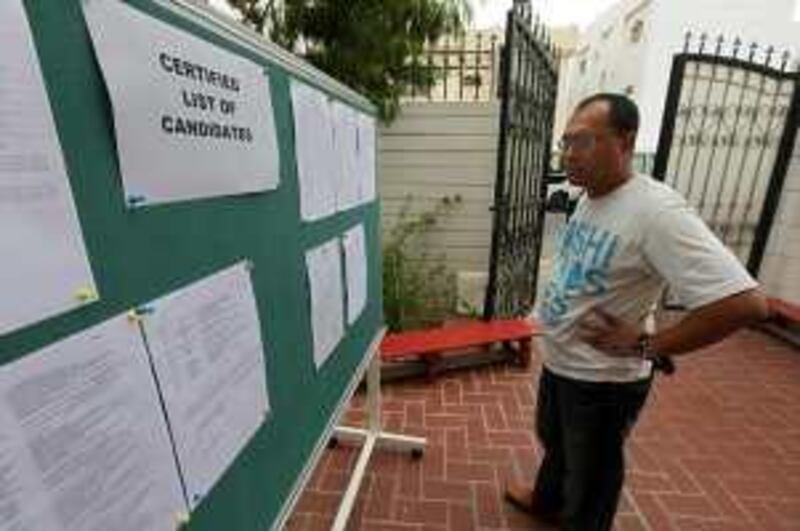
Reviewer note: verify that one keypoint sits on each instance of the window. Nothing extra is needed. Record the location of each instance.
(637, 28)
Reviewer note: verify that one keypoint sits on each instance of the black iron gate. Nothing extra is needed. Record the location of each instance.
(730, 121)
(529, 82)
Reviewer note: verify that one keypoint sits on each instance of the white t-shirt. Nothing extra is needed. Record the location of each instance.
(617, 253)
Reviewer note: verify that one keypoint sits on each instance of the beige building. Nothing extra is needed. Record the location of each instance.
(629, 48)
(567, 40)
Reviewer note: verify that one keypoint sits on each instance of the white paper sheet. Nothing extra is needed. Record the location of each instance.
(324, 265)
(83, 441)
(44, 269)
(318, 167)
(192, 120)
(345, 136)
(366, 157)
(205, 341)
(355, 260)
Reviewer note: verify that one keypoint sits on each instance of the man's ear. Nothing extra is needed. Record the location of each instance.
(629, 141)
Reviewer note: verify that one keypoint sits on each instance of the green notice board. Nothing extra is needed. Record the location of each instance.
(138, 255)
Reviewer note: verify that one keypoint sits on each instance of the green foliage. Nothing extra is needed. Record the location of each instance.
(466, 309)
(418, 288)
(366, 44)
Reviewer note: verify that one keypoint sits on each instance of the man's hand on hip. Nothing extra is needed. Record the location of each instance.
(610, 334)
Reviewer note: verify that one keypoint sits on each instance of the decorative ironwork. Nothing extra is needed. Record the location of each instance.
(458, 69)
(730, 120)
(528, 88)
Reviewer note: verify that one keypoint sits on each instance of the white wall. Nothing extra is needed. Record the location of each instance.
(566, 38)
(565, 101)
(780, 271)
(444, 149)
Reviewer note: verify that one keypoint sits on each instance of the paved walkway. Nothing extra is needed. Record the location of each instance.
(717, 448)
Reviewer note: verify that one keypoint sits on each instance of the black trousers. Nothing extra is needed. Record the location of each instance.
(582, 427)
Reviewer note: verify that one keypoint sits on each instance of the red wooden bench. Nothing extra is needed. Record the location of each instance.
(429, 345)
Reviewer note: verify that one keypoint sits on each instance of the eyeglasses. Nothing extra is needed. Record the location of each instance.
(578, 142)
(584, 140)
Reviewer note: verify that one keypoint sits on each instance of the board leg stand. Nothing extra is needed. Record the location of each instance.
(370, 437)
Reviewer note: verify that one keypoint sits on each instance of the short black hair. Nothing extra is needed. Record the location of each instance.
(623, 114)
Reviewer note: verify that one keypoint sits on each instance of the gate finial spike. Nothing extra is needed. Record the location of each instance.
(718, 49)
(687, 40)
(753, 49)
(785, 59)
(737, 43)
(703, 37)
(770, 51)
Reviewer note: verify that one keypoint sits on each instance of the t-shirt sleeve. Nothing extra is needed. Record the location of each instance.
(698, 268)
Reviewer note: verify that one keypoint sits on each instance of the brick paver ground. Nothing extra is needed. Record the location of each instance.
(717, 448)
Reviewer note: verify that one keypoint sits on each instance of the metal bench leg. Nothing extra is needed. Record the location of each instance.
(434, 365)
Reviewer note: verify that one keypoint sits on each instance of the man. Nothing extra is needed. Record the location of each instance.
(629, 237)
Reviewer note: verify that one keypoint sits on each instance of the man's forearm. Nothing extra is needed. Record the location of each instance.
(709, 324)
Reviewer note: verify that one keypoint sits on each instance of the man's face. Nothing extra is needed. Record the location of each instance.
(592, 152)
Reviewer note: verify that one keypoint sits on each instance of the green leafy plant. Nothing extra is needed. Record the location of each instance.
(366, 44)
(419, 289)
(469, 310)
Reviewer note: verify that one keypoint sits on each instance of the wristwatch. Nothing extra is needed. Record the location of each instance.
(644, 346)
(645, 350)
